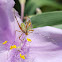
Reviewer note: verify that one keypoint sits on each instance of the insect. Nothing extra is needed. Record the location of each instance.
(25, 27)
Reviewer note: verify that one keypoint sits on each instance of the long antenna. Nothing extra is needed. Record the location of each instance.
(18, 23)
(17, 20)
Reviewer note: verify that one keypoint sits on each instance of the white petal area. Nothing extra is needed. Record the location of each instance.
(46, 45)
(4, 56)
(45, 56)
(46, 36)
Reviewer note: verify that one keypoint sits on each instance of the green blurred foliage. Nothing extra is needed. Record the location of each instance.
(51, 12)
(44, 5)
(17, 6)
(58, 26)
(47, 19)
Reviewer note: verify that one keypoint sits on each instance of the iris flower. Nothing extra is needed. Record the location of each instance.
(45, 45)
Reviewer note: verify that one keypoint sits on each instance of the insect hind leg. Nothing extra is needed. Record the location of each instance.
(20, 37)
(31, 30)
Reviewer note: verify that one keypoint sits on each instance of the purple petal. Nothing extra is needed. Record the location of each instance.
(3, 2)
(46, 45)
(8, 27)
(7, 30)
(7, 6)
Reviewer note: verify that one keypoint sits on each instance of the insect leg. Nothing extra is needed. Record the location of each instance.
(31, 30)
(20, 36)
(17, 31)
(17, 21)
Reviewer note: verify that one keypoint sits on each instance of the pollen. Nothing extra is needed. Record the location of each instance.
(12, 47)
(29, 24)
(18, 47)
(22, 56)
(29, 40)
(5, 42)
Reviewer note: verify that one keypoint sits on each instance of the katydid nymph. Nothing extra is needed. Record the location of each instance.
(25, 27)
